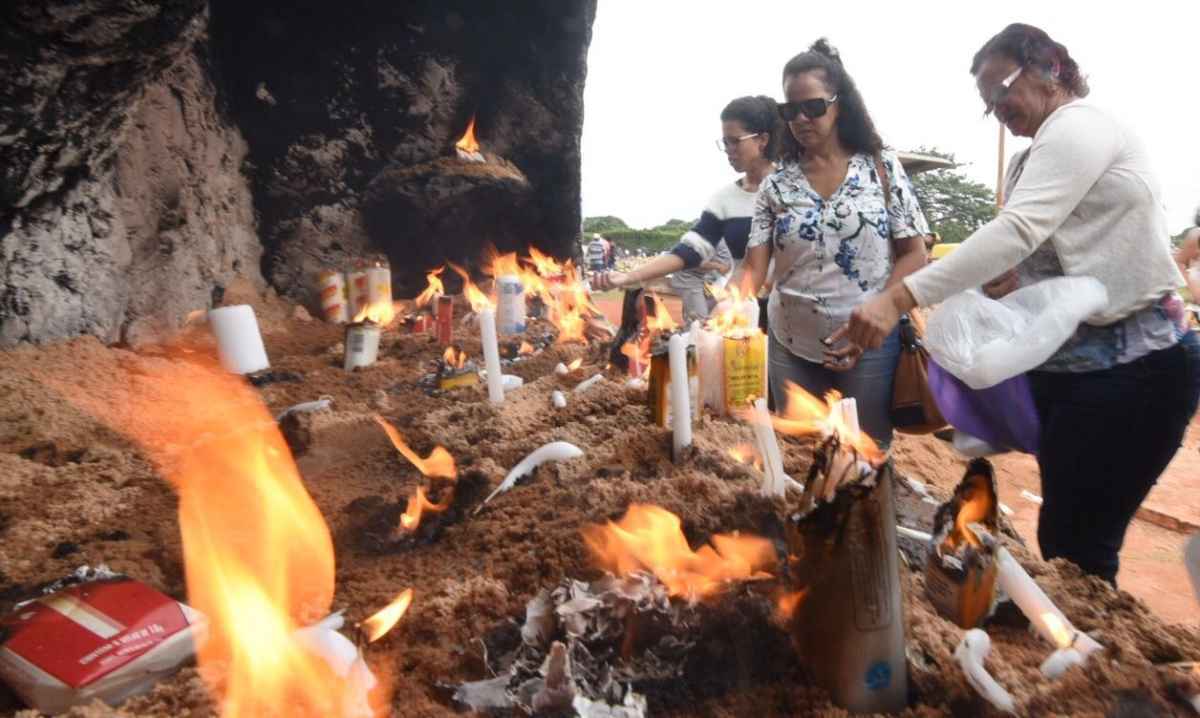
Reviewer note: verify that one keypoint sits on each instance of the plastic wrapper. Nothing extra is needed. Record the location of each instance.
(984, 341)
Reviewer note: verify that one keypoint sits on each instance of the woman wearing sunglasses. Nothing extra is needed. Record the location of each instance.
(836, 240)
(748, 138)
(1115, 400)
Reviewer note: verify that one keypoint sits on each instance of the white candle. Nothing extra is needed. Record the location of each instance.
(710, 354)
(491, 354)
(559, 399)
(970, 653)
(1038, 608)
(1060, 660)
(681, 410)
(239, 343)
(768, 449)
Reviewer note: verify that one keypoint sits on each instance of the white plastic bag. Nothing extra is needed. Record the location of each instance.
(984, 341)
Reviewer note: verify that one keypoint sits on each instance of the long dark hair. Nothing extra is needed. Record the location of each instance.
(1030, 46)
(759, 115)
(855, 129)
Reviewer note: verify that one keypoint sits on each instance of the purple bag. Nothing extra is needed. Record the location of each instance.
(1003, 415)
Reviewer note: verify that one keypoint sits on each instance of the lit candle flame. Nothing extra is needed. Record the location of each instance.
(383, 620)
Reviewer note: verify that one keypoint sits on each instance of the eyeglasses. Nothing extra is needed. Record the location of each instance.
(1000, 92)
(728, 143)
(812, 109)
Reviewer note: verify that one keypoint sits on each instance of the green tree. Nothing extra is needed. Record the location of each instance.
(954, 204)
(604, 224)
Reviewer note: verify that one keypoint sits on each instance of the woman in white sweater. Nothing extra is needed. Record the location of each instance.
(1115, 400)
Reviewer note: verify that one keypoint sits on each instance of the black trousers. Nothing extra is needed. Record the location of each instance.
(1106, 438)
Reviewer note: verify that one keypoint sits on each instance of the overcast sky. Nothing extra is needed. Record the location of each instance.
(660, 71)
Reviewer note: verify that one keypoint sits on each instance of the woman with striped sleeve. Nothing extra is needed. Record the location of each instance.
(749, 136)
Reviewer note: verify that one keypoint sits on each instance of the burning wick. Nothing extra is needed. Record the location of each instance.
(970, 653)
(467, 147)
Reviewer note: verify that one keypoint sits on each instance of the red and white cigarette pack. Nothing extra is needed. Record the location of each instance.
(107, 639)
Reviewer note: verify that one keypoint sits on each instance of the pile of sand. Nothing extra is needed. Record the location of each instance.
(75, 491)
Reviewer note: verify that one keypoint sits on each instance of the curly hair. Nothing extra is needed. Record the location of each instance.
(757, 114)
(1030, 46)
(855, 128)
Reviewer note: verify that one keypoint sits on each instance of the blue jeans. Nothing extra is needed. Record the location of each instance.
(1106, 437)
(869, 382)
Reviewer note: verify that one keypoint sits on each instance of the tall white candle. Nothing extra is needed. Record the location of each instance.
(710, 355)
(491, 354)
(681, 410)
(768, 449)
(1038, 608)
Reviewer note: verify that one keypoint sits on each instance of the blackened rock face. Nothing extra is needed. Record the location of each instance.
(352, 109)
(157, 152)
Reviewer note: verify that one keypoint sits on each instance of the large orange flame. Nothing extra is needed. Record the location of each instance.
(416, 507)
(544, 264)
(475, 297)
(379, 311)
(499, 265)
(732, 321)
(438, 463)
(661, 321)
(806, 414)
(434, 289)
(650, 538)
(977, 505)
(467, 142)
(382, 621)
(454, 359)
(257, 554)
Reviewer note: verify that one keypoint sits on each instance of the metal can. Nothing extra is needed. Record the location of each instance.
(510, 310)
(331, 285)
(362, 345)
(445, 320)
(359, 288)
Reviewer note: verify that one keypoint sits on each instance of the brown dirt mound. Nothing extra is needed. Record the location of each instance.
(74, 491)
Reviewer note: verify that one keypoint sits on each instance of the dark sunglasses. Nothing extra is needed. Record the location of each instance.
(812, 109)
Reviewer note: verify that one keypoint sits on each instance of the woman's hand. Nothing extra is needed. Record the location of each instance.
(603, 281)
(873, 320)
(843, 358)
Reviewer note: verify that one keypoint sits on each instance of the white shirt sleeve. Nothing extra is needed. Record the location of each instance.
(1069, 154)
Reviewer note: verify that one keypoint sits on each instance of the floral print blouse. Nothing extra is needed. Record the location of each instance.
(830, 254)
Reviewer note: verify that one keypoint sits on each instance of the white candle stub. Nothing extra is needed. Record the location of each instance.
(588, 383)
(768, 448)
(344, 659)
(561, 369)
(971, 653)
(559, 399)
(239, 342)
(1060, 660)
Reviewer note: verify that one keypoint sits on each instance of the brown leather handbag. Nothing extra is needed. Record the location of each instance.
(913, 410)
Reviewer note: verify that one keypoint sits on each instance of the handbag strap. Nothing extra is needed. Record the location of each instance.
(886, 181)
